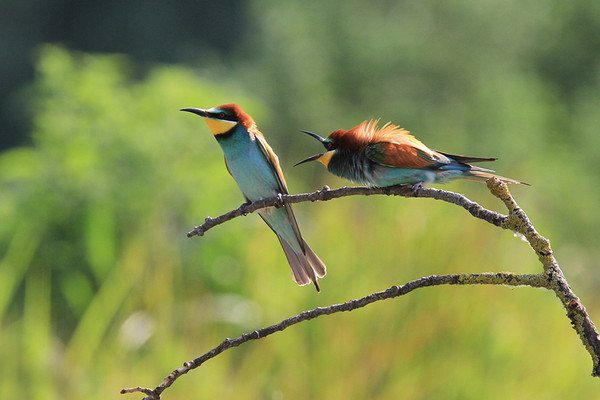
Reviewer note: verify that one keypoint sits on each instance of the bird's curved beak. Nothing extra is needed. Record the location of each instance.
(316, 157)
(217, 126)
(319, 138)
(199, 111)
(324, 158)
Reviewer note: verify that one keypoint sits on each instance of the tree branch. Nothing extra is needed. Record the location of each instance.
(518, 221)
(502, 278)
(326, 193)
(552, 277)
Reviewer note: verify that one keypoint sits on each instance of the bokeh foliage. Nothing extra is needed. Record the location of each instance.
(100, 289)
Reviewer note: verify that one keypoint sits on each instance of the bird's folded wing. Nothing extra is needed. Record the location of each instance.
(402, 155)
(273, 161)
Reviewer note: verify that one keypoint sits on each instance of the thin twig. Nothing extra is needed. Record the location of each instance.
(552, 277)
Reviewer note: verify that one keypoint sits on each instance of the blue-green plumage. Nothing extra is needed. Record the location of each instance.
(255, 168)
(254, 176)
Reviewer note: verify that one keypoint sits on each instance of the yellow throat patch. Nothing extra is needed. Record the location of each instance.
(326, 157)
(219, 126)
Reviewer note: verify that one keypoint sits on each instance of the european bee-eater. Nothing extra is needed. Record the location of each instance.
(255, 168)
(390, 156)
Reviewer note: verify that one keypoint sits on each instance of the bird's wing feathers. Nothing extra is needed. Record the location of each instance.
(467, 159)
(396, 147)
(403, 155)
(273, 161)
(393, 146)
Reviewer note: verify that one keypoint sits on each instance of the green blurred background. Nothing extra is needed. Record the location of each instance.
(101, 177)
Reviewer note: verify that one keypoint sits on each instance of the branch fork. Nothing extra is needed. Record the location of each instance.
(551, 278)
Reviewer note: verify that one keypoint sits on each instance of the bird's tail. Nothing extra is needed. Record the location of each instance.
(482, 175)
(306, 267)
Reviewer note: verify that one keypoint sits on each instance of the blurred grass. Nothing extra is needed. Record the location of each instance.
(100, 289)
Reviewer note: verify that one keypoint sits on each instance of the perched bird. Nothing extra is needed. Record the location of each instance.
(255, 168)
(390, 156)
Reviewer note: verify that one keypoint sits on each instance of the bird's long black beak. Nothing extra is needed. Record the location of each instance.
(316, 156)
(199, 111)
(319, 138)
(311, 158)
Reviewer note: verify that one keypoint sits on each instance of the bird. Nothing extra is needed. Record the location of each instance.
(390, 155)
(256, 169)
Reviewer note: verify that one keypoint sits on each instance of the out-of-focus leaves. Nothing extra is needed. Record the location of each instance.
(100, 289)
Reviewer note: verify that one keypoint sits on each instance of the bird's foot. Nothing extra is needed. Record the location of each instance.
(416, 187)
(279, 202)
(244, 206)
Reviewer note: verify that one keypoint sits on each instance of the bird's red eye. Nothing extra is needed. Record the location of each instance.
(222, 115)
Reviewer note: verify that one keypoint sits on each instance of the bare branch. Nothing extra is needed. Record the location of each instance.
(502, 278)
(326, 193)
(552, 277)
(518, 221)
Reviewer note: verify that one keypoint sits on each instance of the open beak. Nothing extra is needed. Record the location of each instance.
(199, 111)
(311, 158)
(316, 156)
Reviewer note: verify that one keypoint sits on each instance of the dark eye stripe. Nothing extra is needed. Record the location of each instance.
(224, 116)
